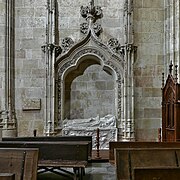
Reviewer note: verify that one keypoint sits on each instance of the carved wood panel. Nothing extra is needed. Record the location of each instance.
(170, 109)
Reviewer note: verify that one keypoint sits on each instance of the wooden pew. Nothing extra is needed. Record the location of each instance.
(54, 138)
(127, 159)
(7, 176)
(157, 173)
(54, 156)
(117, 144)
(22, 162)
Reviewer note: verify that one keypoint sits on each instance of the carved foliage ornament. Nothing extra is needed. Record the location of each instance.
(115, 46)
(96, 28)
(91, 14)
(50, 48)
(95, 12)
(84, 27)
(67, 44)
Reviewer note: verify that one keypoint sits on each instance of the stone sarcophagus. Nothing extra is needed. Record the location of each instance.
(106, 125)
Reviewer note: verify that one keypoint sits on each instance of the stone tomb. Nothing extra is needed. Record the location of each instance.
(106, 125)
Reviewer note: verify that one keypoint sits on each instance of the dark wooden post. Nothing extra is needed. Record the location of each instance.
(159, 134)
(35, 132)
(97, 145)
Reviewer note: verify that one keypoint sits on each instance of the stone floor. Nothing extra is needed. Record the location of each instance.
(94, 171)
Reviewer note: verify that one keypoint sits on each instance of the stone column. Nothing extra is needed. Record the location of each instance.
(8, 109)
(50, 54)
(171, 34)
(128, 133)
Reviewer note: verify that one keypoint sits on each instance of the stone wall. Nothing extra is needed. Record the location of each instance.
(171, 35)
(2, 51)
(112, 21)
(148, 67)
(91, 94)
(30, 65)
(155, 35)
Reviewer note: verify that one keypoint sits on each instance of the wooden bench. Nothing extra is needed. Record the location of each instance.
(55, 138)
(117, 144)
(7, 176)
(128, 159)
(157, 173)
(22, 162)
(53, 156)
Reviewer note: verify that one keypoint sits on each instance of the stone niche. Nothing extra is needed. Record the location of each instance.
(89, 92)
(90, 103)
(91, 89)
(89, 86)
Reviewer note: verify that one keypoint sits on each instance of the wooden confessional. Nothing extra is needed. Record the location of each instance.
(171, 107)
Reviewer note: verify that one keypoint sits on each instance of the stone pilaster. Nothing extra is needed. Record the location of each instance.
(127, 125)
(8, 109)
(50, 49)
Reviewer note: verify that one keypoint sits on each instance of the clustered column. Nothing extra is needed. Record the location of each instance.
(8, 109)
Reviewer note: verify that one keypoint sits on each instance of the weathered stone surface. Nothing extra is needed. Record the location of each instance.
(152, 92)
(106, 125)
(153, 4)
(31, 104)
(152, 113)
(155, 33)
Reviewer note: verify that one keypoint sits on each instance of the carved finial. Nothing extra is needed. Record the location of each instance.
(176, 74)
(91, 13)
(170, 67)
(162, 80)
(92, 4)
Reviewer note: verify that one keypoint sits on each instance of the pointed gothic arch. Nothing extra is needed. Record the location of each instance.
(91, 51)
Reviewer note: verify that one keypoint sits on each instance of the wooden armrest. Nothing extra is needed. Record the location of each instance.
(61, 163)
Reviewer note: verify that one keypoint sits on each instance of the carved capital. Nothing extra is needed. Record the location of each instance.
(131, 48)
(50, 47)
(58, 51)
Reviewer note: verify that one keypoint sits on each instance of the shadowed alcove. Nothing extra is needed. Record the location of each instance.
(89, 90)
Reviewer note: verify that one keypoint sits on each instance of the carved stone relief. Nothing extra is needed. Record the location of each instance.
(107, 126)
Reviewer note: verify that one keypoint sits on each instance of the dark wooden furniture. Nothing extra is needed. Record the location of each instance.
(21, 162)
(54, 156)
(54, 139)
(171, 107)
(7, 176)
(157, 173)
(130, 158)
(117, 144)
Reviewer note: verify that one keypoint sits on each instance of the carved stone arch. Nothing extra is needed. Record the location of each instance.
(109, 63)
(113, 57)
